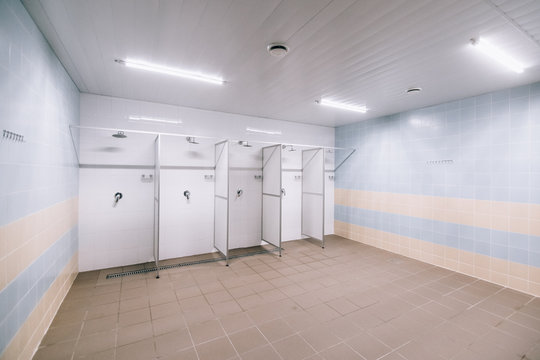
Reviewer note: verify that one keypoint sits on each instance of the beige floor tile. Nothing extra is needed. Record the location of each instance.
(187, 354)
(60, 351)
(320, 337)
(342, 306)
(226, 308)
(134, 317)
(62, 334)
(99, 311)
(187, 292)
(140, 350)
(100, 324)
(340, 352)
(293, 348)
(168, 324)
(266, 352)
(134, 333)
(95, 343)
(173, 342)
(236, 322)
(134, 303)
(276, 329)
(167, 309)
(248, 339)
(199, 314)
(218, 297)
(205, 331)
(323, 313)
(368, 346)
(217, 349)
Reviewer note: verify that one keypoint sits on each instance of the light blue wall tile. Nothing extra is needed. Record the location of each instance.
(39, 101)
(492, 139)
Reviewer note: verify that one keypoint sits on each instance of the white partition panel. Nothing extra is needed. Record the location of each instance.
(271, 195)
(156, 201)
(313, 194)
(221, 199)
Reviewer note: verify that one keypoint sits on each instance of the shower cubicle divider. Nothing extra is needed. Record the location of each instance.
(313, 194)
(272, 192)
(221, 199)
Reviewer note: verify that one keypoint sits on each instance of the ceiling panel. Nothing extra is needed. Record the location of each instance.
(362, 52)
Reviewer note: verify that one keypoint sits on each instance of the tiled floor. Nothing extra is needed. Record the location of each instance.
(348, 301)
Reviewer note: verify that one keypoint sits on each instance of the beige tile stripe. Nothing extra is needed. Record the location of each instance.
(497, 215)
(25, 342)
(26, 239)
(506, 273)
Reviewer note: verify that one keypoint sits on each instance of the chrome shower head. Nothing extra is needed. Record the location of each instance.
(244, 143)
(191, 140)
(120, 135)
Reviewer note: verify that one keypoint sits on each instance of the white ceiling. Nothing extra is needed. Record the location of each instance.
(361, 52)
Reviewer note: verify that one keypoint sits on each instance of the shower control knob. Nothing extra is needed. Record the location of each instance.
(117, 198)
(187, 194)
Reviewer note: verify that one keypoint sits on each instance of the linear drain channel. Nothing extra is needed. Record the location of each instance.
(188, 263)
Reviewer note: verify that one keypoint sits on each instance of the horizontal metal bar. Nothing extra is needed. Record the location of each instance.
(312, 193)
(144, 132)
(237, 168)
(274, 195)
(268, 242)
(112, 166)
(222, 197)
(174, 167)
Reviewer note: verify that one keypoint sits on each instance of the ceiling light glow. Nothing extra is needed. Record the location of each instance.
(152, 119)
(269, 132)
(496, 54)
(361, 109)
(136, 64)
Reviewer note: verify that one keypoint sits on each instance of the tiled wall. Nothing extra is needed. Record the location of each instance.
(457, 185)
(38, 183)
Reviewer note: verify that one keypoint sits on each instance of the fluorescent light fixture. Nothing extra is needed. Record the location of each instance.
(497, 55)
(269, 132)
(360, 109)
(152, 119)
(141, 65)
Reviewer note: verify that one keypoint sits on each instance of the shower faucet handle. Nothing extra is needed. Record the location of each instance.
(117, 198)
(283, 192)
(187, 194)
(239, 192)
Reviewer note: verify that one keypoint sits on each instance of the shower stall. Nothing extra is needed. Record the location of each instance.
(150, 198)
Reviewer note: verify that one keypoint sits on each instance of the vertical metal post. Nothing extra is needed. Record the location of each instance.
(157, 204)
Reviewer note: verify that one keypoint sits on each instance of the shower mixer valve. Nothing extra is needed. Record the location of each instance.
(239, 192)
(117, 198)
(187, 194)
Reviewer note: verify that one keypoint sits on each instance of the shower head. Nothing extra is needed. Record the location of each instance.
(244, 143)
(191, 140)
(120, 135)
(288, 147)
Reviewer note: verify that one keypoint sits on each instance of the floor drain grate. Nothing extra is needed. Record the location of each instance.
(187, 263)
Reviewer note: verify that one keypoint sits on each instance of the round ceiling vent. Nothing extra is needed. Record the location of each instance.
(277, 49)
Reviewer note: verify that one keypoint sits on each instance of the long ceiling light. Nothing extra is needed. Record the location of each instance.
(361, 109)
(269, 132)
(136, 64)
(497, 55)
(152, 119)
